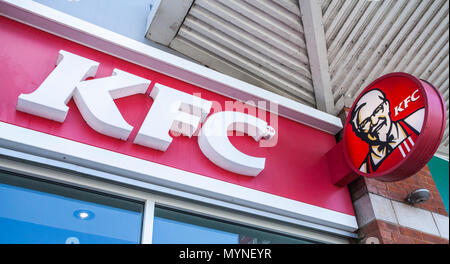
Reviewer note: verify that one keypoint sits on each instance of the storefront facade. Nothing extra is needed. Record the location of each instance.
(105, 175)
(272, 195)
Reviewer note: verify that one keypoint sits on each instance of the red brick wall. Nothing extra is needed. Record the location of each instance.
(399, 190)
(388, 233)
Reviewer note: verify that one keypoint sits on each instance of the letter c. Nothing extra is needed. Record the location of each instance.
(216, 146)
(413, 98)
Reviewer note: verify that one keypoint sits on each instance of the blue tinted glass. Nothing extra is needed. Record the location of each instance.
(31, 216)
(175, 227)
(166, 231)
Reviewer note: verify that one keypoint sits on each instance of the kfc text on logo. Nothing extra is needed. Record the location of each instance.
(412, 98)
(172, 110)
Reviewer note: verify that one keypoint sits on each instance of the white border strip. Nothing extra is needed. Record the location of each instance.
(147, 226)
(66, 26)
(33, 142)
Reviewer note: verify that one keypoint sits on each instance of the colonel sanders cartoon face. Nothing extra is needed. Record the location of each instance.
(371, 119)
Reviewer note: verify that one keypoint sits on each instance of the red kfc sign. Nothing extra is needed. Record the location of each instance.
(115, 111)
(393, 129)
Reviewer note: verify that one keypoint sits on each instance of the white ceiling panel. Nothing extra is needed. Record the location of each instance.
(260, 41)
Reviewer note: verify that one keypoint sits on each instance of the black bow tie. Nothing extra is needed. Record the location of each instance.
(387, 146)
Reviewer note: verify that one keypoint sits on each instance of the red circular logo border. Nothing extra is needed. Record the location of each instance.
(428, 141)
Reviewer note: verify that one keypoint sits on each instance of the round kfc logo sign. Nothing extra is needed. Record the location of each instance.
(394, 127)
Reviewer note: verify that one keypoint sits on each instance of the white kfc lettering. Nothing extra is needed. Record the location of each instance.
(414, 98)
(51, 97)
(216, 146)
(171, 110)
(411, 98)
(398, 108)
(94, 98)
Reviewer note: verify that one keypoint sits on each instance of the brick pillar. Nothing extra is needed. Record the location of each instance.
(383, 213)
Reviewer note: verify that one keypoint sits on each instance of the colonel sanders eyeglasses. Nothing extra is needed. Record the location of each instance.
(369, 123)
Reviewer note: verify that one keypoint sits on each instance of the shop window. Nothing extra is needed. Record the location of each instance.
(177, 227)
(35, 211)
